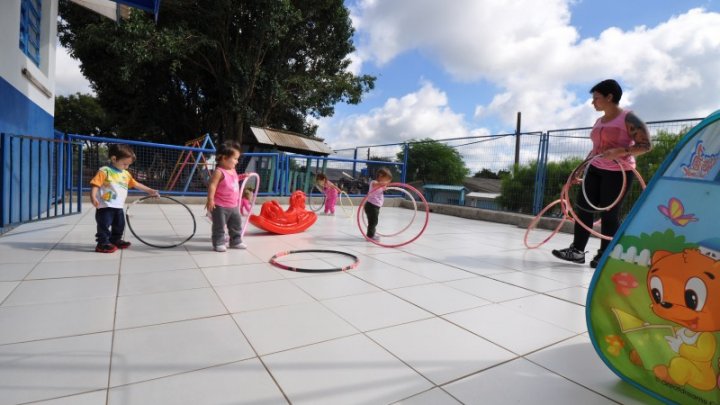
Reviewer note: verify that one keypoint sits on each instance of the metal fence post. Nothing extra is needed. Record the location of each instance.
(406, 152)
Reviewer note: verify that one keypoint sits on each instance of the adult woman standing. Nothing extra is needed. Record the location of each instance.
(617, 137)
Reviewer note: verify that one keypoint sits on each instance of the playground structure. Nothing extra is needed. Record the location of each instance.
(189, 161)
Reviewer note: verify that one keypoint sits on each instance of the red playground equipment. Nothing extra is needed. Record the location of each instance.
(296, 219)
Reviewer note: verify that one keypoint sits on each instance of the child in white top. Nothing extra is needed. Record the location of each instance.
(108, 192)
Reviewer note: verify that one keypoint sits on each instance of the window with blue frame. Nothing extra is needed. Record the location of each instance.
(30, 29)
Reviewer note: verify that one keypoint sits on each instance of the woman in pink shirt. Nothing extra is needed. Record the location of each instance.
(618, 136)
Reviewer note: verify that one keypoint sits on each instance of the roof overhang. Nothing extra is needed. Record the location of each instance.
(288, 141)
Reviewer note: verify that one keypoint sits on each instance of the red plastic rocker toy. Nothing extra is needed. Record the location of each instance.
(296, 219)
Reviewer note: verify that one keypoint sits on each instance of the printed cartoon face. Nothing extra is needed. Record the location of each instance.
(685, 288)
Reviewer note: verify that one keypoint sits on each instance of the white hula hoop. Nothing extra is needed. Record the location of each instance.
(620, 195)
(348, 209)
(315, 208)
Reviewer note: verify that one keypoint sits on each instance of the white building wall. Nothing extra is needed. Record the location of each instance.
(14, 60)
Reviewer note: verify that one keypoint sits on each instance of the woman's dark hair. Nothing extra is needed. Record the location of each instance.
(120, 151)
(227, 149)
(609, 86)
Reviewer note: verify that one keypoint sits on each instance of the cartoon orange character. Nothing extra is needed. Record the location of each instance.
(685, 289)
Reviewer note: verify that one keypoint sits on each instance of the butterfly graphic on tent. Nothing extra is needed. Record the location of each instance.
(675, 212)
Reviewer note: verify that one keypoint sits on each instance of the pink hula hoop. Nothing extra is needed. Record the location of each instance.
(382, 189)
(254, 197)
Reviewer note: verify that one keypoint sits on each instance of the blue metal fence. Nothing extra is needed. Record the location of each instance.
(39, 179)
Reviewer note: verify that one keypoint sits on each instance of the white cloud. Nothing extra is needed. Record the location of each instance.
(422, 114)
(530, 51)
(68, 78)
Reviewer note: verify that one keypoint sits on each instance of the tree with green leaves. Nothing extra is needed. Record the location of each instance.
(217, 66)
(433, 162)
(81, 114)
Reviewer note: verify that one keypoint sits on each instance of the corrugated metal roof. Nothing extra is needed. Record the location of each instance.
(475, 194)
(282, 139)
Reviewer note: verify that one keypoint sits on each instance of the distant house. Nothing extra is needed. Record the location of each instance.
(444, 194)
(482, 200)
(483, 192)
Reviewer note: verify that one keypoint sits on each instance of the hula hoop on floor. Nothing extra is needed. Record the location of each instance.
(313, 207)
(274, 262)
(382, 189)
(252, 202)
(140, 201)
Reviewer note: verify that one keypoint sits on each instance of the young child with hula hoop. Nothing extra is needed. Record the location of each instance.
(330, 190)
(376, 200)
(223, 200)
(108, 193)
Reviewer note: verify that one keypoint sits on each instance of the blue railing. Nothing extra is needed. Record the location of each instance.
(37, 179)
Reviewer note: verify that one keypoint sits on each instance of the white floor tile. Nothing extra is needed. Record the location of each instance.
(500, 385)
(75, 269)
(439, 298)
(243, 382)
(14, 271)
(333, 285)
(435, 396)
(60, 319)
(151, 309)
(241, 274)
(510, 329)
(577, 295)
(529, 281)
(62, 290)
(161, 281)
(247, 297)
(90, 398)
(489, 289)
(229, 258)
(159, 263)
(439, 350)
(432, 268)
(551, 310)
(375, 310)
(54, 368)
(6, 287)
(390, 277)
(343, 371)
(577, 360)
(157, 351)
(275, 329)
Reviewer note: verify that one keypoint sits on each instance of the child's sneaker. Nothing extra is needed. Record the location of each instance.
(105, 248)
(122, 244)
(238, 245)
(376, 238)
(220, 248)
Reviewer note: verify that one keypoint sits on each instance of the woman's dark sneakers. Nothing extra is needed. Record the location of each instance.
(596, 259)
(570, 254)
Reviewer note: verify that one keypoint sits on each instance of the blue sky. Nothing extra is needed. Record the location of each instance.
(465, 67)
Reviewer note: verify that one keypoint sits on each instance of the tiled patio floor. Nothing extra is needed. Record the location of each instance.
(463, 315)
